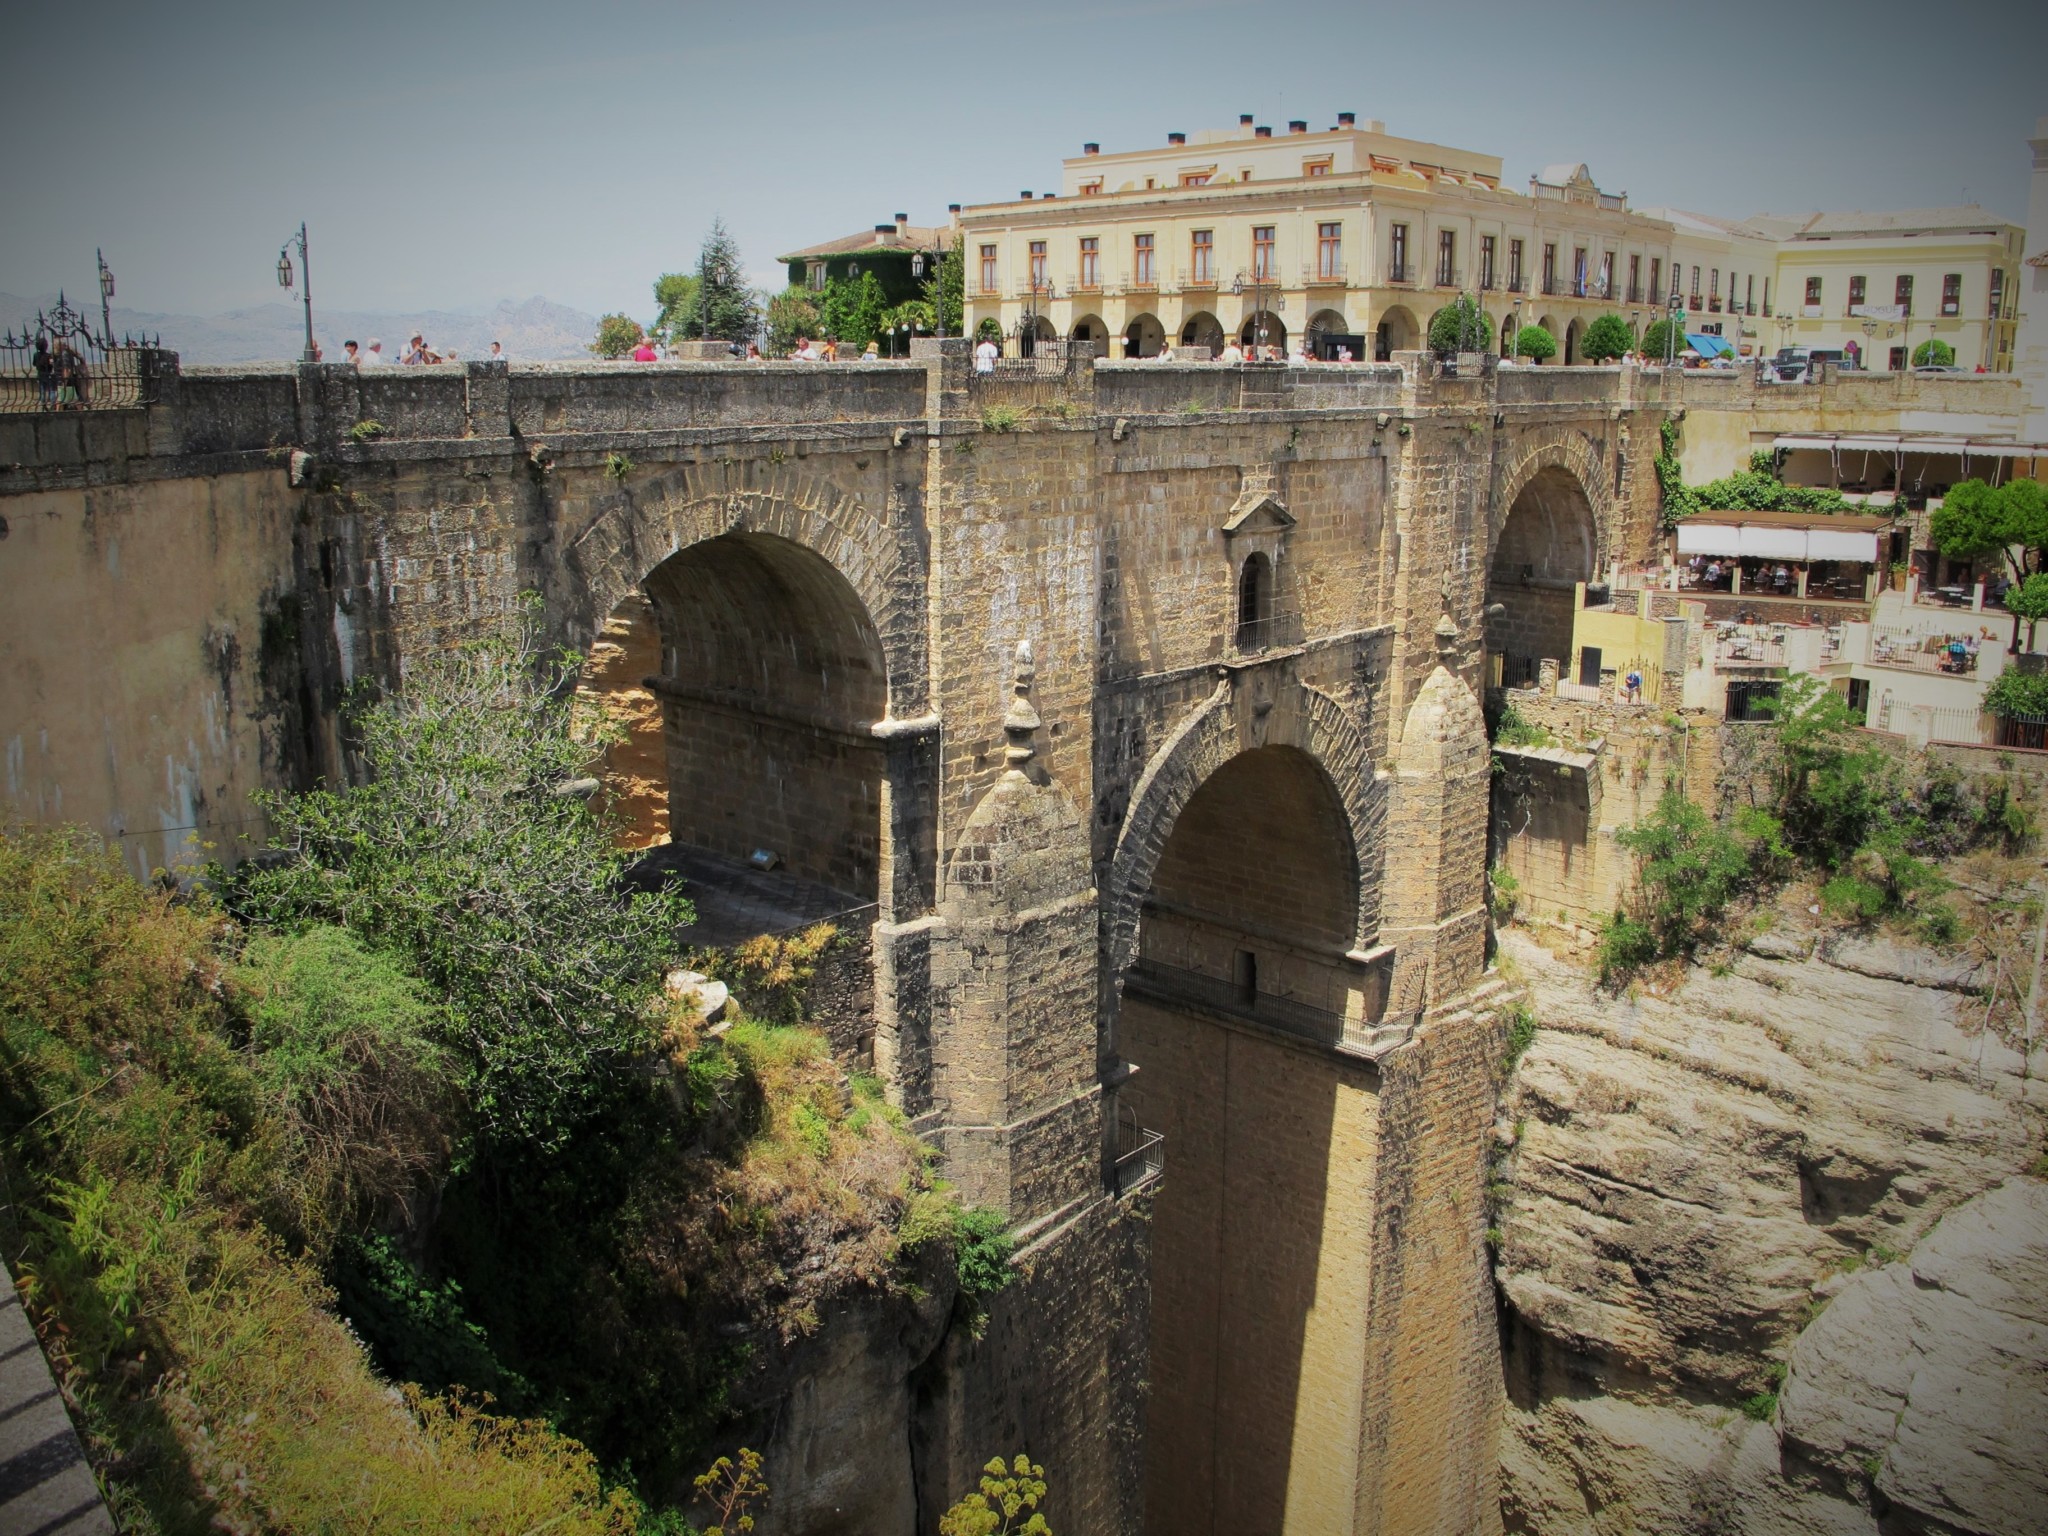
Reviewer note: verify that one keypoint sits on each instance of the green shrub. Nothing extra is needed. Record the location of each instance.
(1606, 338)
(2014, 692)
(418, 1330)
(1503, 893)
(366, 431)
(999, 418)
(1535, 343)
(1934, 352)
(1460, 326)
(1516, 731)
(1762, 1407)
(462, 856)
(346, 1050)
(1521, 1034)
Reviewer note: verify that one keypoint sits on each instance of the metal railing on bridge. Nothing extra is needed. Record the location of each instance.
(60, 363)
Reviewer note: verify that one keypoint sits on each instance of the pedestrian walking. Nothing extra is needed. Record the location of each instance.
(985, 355)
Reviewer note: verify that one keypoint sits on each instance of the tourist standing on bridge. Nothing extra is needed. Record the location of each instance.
(46, 374)
(372, 355)
(985, 356)
(644, 352)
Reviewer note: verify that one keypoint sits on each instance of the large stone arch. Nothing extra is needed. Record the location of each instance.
(1546, 532)
(1573, 452)
(637, 527)
(1246, 711)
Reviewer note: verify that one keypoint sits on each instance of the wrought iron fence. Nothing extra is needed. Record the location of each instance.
(2026, 731)
(1911, 651)
(60, 363)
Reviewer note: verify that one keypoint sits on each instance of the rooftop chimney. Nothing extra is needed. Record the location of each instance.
(1263, 133)
(1176, 138)
(1091, 149)
(1297, 125)
(1244, 119)
(1347, 119)
(1026, 196)
(882, 232)
(953, 208)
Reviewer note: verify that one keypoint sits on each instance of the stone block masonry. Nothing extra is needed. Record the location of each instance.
(1160, 870)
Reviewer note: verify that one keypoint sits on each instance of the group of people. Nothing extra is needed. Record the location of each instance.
(62, 377)
(416, 353)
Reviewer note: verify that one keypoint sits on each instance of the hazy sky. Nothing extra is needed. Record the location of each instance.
(450, 153)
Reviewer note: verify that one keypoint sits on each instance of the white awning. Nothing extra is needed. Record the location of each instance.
(1774, 543)
(1728, 540)
(1858, 544)
(1896, 442)
(1708, 538)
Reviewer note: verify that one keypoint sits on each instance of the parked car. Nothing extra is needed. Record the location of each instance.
(1937, 368)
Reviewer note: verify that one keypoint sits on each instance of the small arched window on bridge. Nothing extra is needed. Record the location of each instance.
(1255, 603)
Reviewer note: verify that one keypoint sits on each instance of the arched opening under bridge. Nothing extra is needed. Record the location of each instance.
(1203, 330)
(1144, 336)
(749, 738)
(1548, 543)
(1259, 1274)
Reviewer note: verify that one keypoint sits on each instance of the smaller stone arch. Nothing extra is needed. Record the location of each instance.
(1571, 343)
(1091, 328)
(1275, 328)
(1573, 454)
(1328, 322)
(1397, 331)
(1202, 329)
(1144, 336)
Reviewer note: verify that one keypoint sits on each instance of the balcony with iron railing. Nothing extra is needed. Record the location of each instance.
(1146, 281)
(1551, 286)
(1909, 650)
(1518, 285)
(1323, 274)
(1635, 293)
(1400, 272)
(1488, 282)
(1446, 277)
(1197, 277)
(1140, 1157)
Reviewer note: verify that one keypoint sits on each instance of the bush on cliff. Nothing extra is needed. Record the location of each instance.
(466, 854)
(181, 1129)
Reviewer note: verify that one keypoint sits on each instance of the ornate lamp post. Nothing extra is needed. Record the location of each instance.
(284, 280)
(1258, 284)
(106, 299)
(918, 267)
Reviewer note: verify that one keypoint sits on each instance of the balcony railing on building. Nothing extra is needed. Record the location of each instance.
(1446, 277)
(1140, 1154)
(1552, 287)
(1324, 274)
(1400, 272)
(1749, 649)
(1191, 277)
(1908, 650)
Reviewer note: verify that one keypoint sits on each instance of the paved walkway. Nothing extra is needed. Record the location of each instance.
(46, 1488)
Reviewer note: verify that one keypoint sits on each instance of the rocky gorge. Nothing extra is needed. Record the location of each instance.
(1771, 1249)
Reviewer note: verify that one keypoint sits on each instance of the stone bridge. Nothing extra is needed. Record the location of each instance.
(1131, 712)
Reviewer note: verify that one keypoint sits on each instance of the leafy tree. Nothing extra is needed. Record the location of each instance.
(2018, 693)
(913, 317)
(792, 314)
(851, 309)
(1606, 338)
(1659, 336)
(1934, 352)
(675, 299)
(1535, 343)
(1460, 326)
(617, 335)
(990, 329)
(2029, 601)
(945, 291)
(464, 855)
(2010, 522)
(1692, 868)
(1006, 1492)
(723, 307)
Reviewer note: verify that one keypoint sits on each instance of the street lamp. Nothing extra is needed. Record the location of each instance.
(1259, 284)
(1515, 342)
(1676, 319)
(106, 298)
(918, 267)
(284, 280)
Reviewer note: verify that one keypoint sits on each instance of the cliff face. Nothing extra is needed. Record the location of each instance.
(1809, 1168)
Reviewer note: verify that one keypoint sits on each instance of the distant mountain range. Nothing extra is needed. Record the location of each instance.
(532, 331)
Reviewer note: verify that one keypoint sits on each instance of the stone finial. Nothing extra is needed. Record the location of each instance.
(1446, 636)
(1020, 720)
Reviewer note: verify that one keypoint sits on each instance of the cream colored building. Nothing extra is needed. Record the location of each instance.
(1348, 232)
(1356, 232)
(1888, 282)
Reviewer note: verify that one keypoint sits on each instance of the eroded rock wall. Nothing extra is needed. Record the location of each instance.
(1817, 1159)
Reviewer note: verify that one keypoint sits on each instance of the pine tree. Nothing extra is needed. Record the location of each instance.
(724, 308)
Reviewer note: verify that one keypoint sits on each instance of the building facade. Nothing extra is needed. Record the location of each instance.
(1362, 236)
(1351, 232)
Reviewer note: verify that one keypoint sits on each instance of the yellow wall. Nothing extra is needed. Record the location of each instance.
(131, 640)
